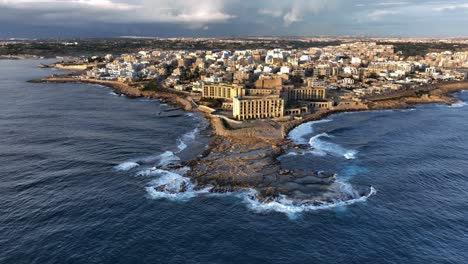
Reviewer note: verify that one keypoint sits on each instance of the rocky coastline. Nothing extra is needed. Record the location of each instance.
(247, 158)
(177, 99)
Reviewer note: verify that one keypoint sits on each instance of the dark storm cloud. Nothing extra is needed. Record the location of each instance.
(63, 18)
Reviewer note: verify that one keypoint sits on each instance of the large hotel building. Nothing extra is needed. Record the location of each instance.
(264, 102)
(257, 107)
(223, 91)
(305, 93)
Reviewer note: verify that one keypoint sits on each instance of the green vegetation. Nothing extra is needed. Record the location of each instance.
(88, 47)
(153, 85)
(421, 49)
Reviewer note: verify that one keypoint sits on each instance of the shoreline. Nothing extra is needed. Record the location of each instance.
(120, 88)
(248, 157)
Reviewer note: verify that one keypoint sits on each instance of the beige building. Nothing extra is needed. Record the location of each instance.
(271, 83)
(306, 93)
(262, 92)
(258, 107)
(321, 105)
(222, 91)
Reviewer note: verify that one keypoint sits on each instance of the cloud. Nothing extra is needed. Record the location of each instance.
(392, 3)
(450, 7)
(270, 12)
(379, 14)
(232, 17)
(300, 8)
(58, 4)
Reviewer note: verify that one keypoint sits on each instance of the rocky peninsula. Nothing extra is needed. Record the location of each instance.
(242, 158)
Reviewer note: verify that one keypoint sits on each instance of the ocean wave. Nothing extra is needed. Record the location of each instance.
(113, 94)
(406, 110)
(293, 209)
(323, 148)
(172, 185)
(298, 135)
(458, 105)
(175, 187)
(182, 143)
(290, 154)
(164, 159)
(126, 166)
(168, 158)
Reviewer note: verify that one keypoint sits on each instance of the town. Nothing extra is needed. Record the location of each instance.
(278, 84)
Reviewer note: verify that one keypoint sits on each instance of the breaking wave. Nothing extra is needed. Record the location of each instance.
(181, 145)
(168, 158)
(165, 159)
(300, 133)
(171, 185)
(323, 148)
(187, 139)
(320, 147)
(168, 181)
(293, 209)
(458, 105)
(126, 166)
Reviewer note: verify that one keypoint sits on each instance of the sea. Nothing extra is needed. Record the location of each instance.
(85, 177)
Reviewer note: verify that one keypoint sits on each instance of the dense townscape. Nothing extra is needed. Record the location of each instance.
(278, 83)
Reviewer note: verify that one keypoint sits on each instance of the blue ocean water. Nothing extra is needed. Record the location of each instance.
(75, 164)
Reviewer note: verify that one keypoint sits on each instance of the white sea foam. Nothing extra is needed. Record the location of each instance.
(161, 160)
(182, 143)
(113, 93)
(168, 158)
(291, 154)
(172, 185)
(126, 166)
(323, 148)
(292, 210)
(458, 105)
(165, 158)
(298, 135)
(407, 110)
(148, 100)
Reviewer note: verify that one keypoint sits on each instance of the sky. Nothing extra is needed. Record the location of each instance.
(225, 18)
